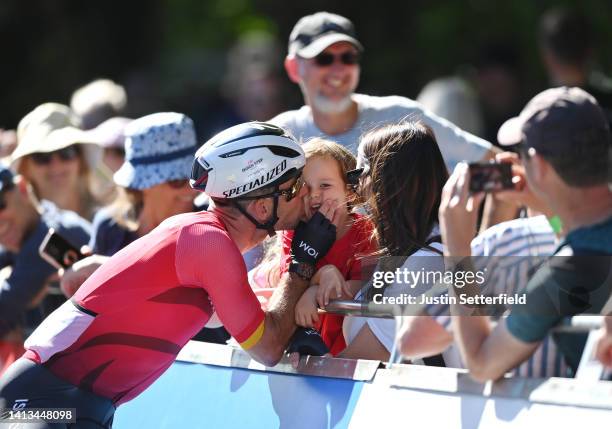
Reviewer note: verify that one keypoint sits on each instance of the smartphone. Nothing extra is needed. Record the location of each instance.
(490, 177)
(58, 251)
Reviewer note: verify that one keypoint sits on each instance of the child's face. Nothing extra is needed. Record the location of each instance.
(323, 182)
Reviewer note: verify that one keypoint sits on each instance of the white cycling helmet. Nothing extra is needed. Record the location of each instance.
(245, 158)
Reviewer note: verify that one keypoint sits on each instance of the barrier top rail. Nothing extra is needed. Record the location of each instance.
(576, 324)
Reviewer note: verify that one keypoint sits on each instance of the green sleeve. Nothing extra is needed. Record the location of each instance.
(564, 286)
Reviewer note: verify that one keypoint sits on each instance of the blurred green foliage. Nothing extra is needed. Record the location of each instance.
(173, 51)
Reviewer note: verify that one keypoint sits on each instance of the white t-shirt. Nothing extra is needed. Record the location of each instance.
(455, 144)
(384, 329)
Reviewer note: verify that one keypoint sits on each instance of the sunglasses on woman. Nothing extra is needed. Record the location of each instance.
(325, 59)
(66, 154)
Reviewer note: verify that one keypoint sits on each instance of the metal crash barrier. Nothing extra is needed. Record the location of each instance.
(217, 386)
(589, 369)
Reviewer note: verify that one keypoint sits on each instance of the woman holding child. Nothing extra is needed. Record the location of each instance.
(402, 177)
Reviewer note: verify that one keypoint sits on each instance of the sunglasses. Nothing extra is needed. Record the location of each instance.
(353, 176)
(325, 59)
(178, 183)
(66, 154)
(289, 193)
(293, 190)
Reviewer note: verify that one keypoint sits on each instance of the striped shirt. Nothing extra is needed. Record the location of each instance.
(511, 252)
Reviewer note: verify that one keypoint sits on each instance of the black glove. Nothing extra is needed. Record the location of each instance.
(307, 341)
(312, 240)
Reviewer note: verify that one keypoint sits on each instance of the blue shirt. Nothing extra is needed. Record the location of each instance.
(108, 236)
(29, 271)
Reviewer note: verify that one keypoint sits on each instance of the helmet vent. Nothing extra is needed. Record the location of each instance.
(283, 151)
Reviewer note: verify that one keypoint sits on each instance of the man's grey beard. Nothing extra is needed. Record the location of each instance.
(325, 105)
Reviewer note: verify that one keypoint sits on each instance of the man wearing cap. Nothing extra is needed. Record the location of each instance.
(323, 60)
(23, 226)
(564, 141)
(125, 325)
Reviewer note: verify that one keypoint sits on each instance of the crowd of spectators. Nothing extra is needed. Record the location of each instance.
(102, 180)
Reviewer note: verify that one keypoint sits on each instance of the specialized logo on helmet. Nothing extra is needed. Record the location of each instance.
(257, 183)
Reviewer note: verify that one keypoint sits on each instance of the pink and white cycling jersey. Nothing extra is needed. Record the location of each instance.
(128, 321)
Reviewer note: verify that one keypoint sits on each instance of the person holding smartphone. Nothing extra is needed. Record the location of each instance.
(564, 141)
(23, 226)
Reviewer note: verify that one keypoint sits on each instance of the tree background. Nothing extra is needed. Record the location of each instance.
(171, 54)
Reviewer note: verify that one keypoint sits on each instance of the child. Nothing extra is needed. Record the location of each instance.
(325, 176)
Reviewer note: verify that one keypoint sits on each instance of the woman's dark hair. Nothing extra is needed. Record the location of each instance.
(407, 174)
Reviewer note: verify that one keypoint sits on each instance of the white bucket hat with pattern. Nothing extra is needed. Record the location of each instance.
(158, 148)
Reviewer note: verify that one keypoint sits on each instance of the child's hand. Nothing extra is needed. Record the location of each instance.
(306, 309)
(351, 287)
(331, 284)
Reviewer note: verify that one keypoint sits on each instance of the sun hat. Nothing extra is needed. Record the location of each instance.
(51, 127)
(110, 133)
(53, 115)
(97, 101)
(158, 148)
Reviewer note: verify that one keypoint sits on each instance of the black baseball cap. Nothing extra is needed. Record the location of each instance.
(553, 122)
(313, 33)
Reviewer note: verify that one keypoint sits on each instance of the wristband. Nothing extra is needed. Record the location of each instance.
(305, 271)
